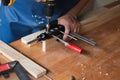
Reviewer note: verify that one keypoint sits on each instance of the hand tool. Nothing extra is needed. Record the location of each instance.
(56, 30)
(66, 34)
(68, 45)
(16, 67)
(5, 74)
(46, 35)
(83, 38)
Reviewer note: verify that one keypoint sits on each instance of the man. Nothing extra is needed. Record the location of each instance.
(23, 16)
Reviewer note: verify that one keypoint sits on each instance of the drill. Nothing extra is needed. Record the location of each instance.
(8, 2)
(49, 11)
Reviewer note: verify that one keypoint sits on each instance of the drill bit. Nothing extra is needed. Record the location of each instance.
(48, 25)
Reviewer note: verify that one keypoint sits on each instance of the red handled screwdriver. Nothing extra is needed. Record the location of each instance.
(69, 45)
(17, 68)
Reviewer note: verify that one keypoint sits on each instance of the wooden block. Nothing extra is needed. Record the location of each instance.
(31, 37)
(33, 68)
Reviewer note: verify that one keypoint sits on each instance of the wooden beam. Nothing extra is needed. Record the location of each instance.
(33, 68)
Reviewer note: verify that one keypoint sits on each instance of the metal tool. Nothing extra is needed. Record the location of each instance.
(49, 11)
(66, 34)
(46, 35)
(83, 38)
(69, 45)
(16, 67)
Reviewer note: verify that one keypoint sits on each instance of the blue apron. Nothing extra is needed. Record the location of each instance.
(23, 16)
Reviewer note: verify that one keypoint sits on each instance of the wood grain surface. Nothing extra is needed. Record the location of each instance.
(100, 62)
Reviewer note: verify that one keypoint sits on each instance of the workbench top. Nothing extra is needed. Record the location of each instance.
(100, 62)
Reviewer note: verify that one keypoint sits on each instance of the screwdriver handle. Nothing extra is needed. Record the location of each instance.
(74, 48)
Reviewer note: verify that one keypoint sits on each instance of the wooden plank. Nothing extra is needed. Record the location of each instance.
(31, 37)
(33, 68)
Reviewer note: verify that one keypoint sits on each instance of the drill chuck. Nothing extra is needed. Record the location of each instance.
(49, 8)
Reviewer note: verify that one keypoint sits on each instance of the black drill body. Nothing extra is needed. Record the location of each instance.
(49, 8)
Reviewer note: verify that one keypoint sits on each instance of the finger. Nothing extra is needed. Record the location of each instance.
(78, 30)
(79, 26)
(74, 28)
(67, 31)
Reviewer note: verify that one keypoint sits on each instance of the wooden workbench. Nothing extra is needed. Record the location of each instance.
(100, 62)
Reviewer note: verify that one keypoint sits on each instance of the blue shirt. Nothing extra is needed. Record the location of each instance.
(23, 16)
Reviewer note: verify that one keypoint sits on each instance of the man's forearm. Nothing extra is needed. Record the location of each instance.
(78, 7)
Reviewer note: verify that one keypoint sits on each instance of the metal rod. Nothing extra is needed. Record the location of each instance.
(62, 41)
(68, 35)
(83, 38)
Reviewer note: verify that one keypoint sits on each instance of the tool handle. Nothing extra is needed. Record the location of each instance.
(74, 48)
(20, 72)
(4, 67)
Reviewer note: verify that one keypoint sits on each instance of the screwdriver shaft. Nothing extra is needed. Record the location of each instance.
(68, 35)
(69, 45)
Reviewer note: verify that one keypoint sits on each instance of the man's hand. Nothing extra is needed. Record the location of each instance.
(70, 23)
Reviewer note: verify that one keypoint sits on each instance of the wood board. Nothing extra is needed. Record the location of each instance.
(33, 68)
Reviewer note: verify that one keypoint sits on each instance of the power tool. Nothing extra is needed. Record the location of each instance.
(8, 2)
(49, 11)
